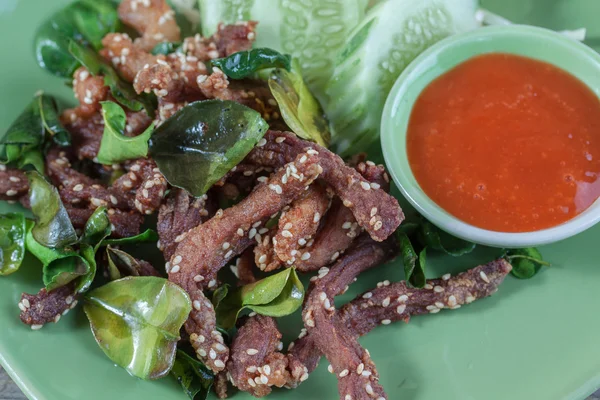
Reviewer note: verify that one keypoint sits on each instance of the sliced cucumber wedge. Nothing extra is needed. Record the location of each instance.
(391, 35)
(312, 31)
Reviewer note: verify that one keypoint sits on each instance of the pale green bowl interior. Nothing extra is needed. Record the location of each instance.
(533, 42)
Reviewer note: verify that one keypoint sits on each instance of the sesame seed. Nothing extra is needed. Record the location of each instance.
(252, 233)
(262, 259)
(305, 256)
(11, 192)
(251, 382)
(212, 283)
(365, 186)
(452, 301)
(219, 364)
(279, 139)
(212, 354)
(438, 289)
(201, 352)
(375, 185)
(301, 241)
(428, 286)
(366, 373)
(303, 159)
(286, 233)
(113, 199)
(439, 304)
(385, 302)
(386, 322)
(127, 184)
(373, 211)
(201, 339)
(175, 269)
(367, 295)
(312, 152)
(378, 225)
(469, 299)
(225, 245)
(240, 232)
(197, 305)
(263, 231)
(446, 277)
(310, 322)
(369, 389)
(347, 225)
(252, 369)
(14, 179)
(288, 225)
(484, 277)
(330, 369)
(36, 327)
(430, 307)
(343, 373)
(177, 259)
(96, 202)
(304, 377)
(251, 352)
(401, 308)
(348, 397)
(360, 368)
(229, 254)
(22, 307)
(317, 217)
(261, 142)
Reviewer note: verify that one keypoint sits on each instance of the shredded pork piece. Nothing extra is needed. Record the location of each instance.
(144, 186)
(89, 91)
(243, 268)
(153, 19)
(220, 385)
(264, 253)
(13, 183)
(298, 225)
(210, 246)
(44, 307)
(374, 209)
(177, 215)
(127, 58)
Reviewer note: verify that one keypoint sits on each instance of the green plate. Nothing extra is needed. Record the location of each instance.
(535, 339)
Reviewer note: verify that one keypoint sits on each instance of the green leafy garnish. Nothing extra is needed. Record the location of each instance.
(276, 296)
(299, 108)
(195, 379)
(525, 262)
(85, 21)
(200, 143)
(147, 236)
(23, 142)
(437, 239)
(64, 269)
(136, 322)
(12, 242)
(245, 63)
(97, 228)
(115, 147)
(414, 265)
(53, 227)
(121, 90)
(121, 264)
(165, 48)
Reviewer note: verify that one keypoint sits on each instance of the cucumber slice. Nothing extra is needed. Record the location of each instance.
(312, 31)
(391, 35)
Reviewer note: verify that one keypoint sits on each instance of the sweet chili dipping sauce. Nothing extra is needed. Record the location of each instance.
(507, 143)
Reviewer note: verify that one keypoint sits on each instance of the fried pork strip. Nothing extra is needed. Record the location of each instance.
(13, 183)
(44, 307)
(176, 216)
(208, 247)
(375, 210)
(153, 19)
(298, 225)
(243, 268)
(264, 252)
(397, 302)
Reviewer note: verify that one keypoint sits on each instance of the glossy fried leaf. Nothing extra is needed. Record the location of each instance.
(245, 63)
(85, 21)
(525, 262)
(414, 265)
(53, 227)
(12, 242)
(121, 90)
(200, 143)
(121, 264)
(437, 239)
(193, 376)
(165, 48)
(64, 270)
(115, 147)
(136, 322)
(97, 228)
(299, 108)
(51, 121)
(147, 236)
(276, 296)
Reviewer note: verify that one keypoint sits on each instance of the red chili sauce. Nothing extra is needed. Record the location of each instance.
(507, 143)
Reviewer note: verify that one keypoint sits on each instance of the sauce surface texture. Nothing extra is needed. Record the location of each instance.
(507, 143)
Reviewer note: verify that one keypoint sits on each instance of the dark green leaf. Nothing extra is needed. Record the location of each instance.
(115, 147)
(121, 90)
(525, 262)
(53, 227)
(85, 21)
(299, 108)
(136, 322)
(414, 265)
(276, 296)
(121, 264)
(437, 239)
(245, 63)
(147, 236)
(165, 48)
(32, 157)
(195, 379)
(50, 119)
(64, 270)
(97, 228)
(88, 253)
(200, 143)
(12, 242)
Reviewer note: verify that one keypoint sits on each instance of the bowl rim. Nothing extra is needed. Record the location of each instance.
(417, 197)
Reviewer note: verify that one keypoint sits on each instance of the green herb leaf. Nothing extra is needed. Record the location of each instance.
(121, 90)
(115, 147)
(64, 270)
(195, 379)
(136, 322)
(437, 239)
(525, 262)
(276, 296)
(53, 227)
(165, 48)
(12, 242)
(200, 143)
(85, 21)
(49, 114)
(97, 228)
(121, 264)
(147, 236)
(414, 265)
(245, 63)
(299, 108)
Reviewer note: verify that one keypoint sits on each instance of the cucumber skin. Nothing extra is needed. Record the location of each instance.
(368, 66)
